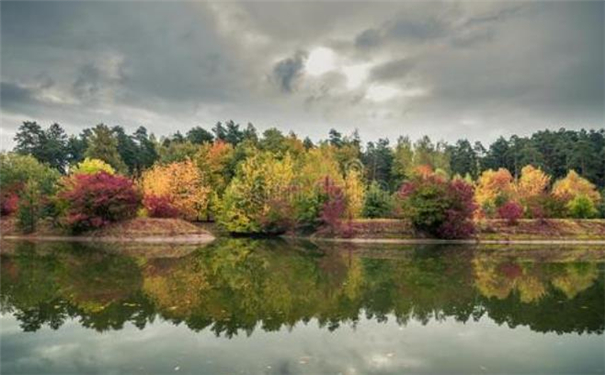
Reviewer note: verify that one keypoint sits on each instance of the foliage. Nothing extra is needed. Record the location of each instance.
(354, 193)
(439, 207)
(103, 145)
(94, 200)
(8, 203)
(493, 188)
(511, 212)
(160, 206)
(92, 166)
(333, 207)
(582, 207)
(377, 203)
(48, 146)
(257, 198)
(573, 186)
(183, 184)
(214, 161)
(32, 182)
(175, 152)
(533, 182)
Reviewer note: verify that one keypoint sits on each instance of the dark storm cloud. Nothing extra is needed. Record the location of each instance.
(392, 70)
(368, 38)
(15, 95)
(286, 71)
(475, 69)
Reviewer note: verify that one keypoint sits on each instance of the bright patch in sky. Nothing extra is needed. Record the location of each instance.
(355, 74)
(380, 93)
(320, 61)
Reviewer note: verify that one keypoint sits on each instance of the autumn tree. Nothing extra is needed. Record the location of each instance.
(91, 166)
(182, 184)
(493, 189)
(257, 199)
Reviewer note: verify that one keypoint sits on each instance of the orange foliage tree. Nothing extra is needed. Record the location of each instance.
(182, 183)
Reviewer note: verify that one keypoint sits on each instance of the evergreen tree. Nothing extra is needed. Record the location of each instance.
(199, 135)
(103, 145)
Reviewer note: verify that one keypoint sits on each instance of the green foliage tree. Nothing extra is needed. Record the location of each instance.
(103, 145)
(199, 135)
(378, 203)
(582, 207)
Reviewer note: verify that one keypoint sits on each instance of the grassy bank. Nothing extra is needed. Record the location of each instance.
(136, 230)
(487, 230)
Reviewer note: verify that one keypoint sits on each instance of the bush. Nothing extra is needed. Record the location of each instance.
(160, 206)
(511, 212)
(98, 199)
(582, 207)
(439, 207)
(8, 203)
(545, 206)
(333, 207)
(377, 203)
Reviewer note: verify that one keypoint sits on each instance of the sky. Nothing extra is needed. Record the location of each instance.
(449, 70)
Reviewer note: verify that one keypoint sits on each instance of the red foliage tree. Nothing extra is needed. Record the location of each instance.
(8, 203)
(439, 207)
(334, 205)
(511, 212)
(160, 206)
(98, 199)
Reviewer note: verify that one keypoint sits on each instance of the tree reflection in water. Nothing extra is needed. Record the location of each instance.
(239, 285)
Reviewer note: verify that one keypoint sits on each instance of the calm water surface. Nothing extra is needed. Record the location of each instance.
(243, 306)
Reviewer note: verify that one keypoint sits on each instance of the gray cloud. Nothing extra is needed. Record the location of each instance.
(474, 69)
(286, 71)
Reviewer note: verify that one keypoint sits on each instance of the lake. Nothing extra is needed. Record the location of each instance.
(243, 306)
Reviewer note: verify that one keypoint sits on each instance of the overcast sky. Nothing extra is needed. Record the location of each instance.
(449, 70)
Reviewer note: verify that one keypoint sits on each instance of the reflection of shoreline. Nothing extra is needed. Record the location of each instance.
(234, 286)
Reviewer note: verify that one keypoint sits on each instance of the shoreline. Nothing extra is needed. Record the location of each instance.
(207, 238)
(429, 241)
(178, 239)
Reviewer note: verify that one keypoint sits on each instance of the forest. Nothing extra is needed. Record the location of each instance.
(272, 183)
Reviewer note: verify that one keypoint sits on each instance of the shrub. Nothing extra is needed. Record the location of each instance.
(377, 203)
(30, 207)
(91, 166)
(439, 207)
(159, 206)
(333, 207)
(544, 206)
(511, 212)
(8, 203)
(582, 207)
(98, 199)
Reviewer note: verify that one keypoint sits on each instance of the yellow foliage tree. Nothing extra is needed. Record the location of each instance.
(257, 198)
(183, 183)
(354, 191)
(572, 186)
(493, 185)
(317, 164)
(532, 182)
(92, 166)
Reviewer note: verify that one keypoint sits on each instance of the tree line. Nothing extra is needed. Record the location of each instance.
(273, 182)
(554, 152)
